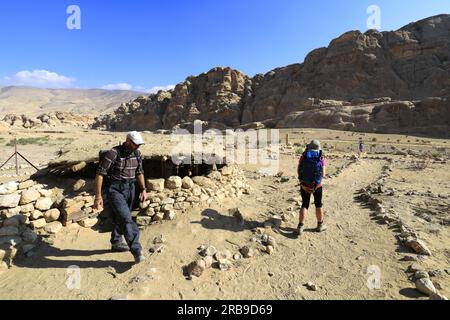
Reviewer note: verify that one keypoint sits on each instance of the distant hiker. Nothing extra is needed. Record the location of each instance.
(361, 148)
(311, 171)
(123, 166)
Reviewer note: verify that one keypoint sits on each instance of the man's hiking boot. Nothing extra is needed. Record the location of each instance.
(321, 227)
(122, 247)
(300, 230)
(139, 258)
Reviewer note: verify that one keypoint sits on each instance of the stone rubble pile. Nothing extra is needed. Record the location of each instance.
(167, 197)
(406, 235)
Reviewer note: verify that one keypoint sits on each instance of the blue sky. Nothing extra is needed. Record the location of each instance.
(142, 44)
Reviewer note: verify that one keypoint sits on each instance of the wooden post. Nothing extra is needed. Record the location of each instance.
(287, 139)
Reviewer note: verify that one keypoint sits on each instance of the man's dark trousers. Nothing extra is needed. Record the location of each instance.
(121, 197)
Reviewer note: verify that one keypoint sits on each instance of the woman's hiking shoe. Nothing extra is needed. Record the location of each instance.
(321, 227)
(300, 230)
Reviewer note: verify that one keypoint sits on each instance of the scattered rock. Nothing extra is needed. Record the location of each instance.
(437, 296)
(311, 286)
(275, 221)
(208, 261)
(421, 275)
(53, 227)
(29, 196)
(27, 208)
(52, 215)
(187, 183)
(415, 267)
(223, 255)
(412, 258)
(158, 217)
(271, 241)
(196, 268)
(247, 252)
(437, 273)
(170, 215)
(10, 200)
(80, 184)
(159, 239)
(144, 220)
(270, 249)
(144, 205)
(425, 285)
(155, 184)
(418, 246)
(44, 204)
(209, 251)
(88, 223)
(8, 188)
(38, 224)
(36, 214)
(173, 182)
(157, 248)
(26, 184)
(224, 264)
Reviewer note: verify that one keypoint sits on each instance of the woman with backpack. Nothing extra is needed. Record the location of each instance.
(311, 171)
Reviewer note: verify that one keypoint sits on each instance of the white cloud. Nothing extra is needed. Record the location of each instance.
(118, 86)
(156, 89)
(38, 78)
(127, 86)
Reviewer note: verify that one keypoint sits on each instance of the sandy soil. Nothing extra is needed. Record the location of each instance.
(337, 260)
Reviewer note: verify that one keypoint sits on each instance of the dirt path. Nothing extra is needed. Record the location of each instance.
(336, 261)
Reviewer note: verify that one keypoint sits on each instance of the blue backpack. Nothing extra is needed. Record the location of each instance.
(311, 168)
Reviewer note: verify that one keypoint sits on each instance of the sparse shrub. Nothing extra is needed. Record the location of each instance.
(419, 165)
(375, 139)
(27, 141)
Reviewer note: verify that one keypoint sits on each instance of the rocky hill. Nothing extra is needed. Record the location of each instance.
(395, 81)
(35, 101)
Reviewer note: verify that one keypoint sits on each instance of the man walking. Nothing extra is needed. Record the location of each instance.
(311, 170)
(123, 166)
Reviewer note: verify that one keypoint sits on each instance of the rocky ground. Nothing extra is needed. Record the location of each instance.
(386, 212)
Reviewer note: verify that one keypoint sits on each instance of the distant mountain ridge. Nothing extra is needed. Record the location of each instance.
(36, 101)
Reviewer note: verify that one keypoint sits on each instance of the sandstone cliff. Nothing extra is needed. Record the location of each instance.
(394, 81)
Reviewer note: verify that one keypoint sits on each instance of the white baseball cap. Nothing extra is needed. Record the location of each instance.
(136, 138)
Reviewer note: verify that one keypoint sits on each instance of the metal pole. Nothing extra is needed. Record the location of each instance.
(15, 154)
